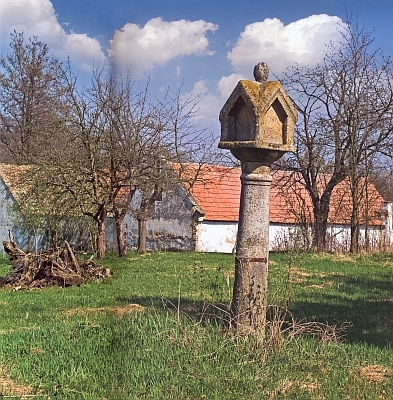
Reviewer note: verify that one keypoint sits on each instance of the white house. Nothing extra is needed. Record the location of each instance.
(204, 217)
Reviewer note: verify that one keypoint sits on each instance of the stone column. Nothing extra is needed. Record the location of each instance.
(249, 302)
(257, 126)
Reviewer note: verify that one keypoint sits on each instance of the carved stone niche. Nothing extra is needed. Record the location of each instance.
(258, 121)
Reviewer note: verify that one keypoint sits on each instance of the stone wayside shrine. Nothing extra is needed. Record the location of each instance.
(257, 126)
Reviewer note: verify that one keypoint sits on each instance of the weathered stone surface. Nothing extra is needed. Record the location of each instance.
(261, 72)
(257, 115)
(257, 126)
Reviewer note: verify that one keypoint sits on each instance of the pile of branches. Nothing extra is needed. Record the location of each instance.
(58, 267)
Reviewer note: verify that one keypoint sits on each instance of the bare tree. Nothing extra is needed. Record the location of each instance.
(141, 138)
(33, 103)
(91, 149)
(32, 92)
(345, 106)
(382, 178)
(180, 141)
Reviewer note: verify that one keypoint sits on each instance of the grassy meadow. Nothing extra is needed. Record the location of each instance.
(158, 330)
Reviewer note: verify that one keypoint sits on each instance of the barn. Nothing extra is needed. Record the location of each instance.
(8, 198)
(203, 216)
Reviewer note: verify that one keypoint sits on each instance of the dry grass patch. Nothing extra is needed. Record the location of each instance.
(10, 389)
(297, 275)
(375, 373)
(310, 385)
(321, 286)
(36, 351)
(21, 328)
(118, 311)
(336, 257)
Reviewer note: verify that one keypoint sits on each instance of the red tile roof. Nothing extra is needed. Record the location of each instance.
(217, 192)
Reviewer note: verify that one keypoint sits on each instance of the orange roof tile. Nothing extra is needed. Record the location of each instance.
(217, 192)
(12, 175)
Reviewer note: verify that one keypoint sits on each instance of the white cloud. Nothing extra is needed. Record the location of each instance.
(227, 84)
(38, 18)
(208, 106)
(140, 49)
(302, 42)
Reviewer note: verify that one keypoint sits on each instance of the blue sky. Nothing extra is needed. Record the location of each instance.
(205, 46)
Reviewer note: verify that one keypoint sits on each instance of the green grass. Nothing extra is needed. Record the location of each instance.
(72, 344)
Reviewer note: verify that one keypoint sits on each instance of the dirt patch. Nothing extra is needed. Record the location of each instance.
(22, 328)
(297, 275)
(321, 286)
(375, 373)
(10, 389)
(118, 311)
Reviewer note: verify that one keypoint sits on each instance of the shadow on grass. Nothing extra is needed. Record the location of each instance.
(365, 302)
(204, 312)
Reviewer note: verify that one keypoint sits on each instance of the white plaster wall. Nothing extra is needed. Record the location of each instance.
(221, 237)
(5, 220)
(387, 220)
(26, 241)
(216, 237)
(338, 237)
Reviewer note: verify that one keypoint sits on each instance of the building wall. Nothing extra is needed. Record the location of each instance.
(6, 200)
(170, 227)
(338, 238)
(216, 236)
(25, 241)
(220, 236)
(173, 226)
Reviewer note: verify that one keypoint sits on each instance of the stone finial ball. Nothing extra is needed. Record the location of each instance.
(261, 72)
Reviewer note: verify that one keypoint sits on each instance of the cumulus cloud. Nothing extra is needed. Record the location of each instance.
(140, 49)
(227, 84)
(208, 104)
(302, 42)
(38, 18)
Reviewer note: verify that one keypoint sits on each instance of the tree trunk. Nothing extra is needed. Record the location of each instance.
(321, 207)
(320, 228)
(354, 247)
(121, 235)
(321, 214)
(101, 233)
(142, 233)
